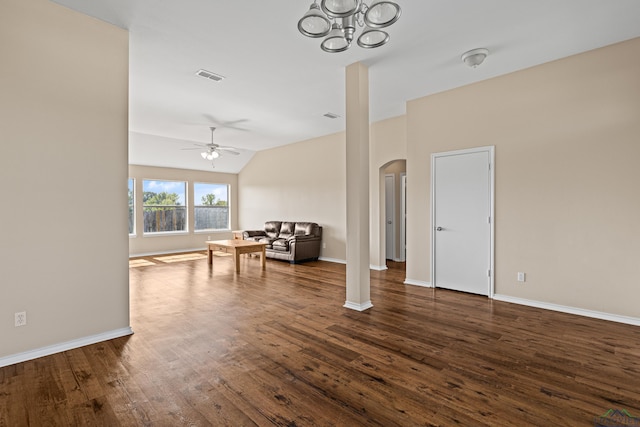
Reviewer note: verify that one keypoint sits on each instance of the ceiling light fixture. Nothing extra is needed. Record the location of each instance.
(210, 154)
(475, 57)
(336, 21)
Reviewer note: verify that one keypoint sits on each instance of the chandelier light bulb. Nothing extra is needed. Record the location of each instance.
(335, 41)
(382, 13)
(339, 8)
(314, 23)
(372, 37)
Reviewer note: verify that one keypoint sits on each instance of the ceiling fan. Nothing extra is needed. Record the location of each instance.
(213, 151)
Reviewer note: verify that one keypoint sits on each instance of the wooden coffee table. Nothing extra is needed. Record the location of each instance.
(237, 248)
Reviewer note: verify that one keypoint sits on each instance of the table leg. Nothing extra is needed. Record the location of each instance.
(236, 259)
(209, 254)
(262, 258)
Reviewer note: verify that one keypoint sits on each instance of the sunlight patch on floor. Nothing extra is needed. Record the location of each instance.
(140, 263)
(180, 257)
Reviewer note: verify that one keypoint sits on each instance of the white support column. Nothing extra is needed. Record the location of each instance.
(358, 279)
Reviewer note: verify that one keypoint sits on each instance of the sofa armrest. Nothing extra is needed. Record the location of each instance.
(254, 233)
(304, 247)
(302, 238)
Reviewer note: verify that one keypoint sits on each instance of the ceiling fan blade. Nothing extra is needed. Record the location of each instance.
(229, 150)
(194, 145)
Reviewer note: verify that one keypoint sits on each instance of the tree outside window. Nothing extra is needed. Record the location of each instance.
(131, 190)
(211, 208)
(164, 206)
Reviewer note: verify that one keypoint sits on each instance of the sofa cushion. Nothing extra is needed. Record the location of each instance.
(268, 241)
(272, 228)
(287, 229)
(253, 234)
(281, 244)
(306, 228)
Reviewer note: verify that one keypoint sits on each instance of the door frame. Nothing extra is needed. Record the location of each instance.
(393, 216)
(403, 217)
(490, 149)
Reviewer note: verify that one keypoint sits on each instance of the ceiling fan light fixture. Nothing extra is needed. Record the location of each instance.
(214, 155)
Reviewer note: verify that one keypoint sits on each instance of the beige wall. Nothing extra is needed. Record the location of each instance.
(567, 150)
(190, 240)
(63, 169)
(308, 180)
(305, 181)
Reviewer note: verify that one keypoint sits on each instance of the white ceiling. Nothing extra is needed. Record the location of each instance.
(279, 83)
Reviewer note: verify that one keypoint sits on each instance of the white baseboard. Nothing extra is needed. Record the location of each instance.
(337, 261)
(174, 251)
(413, 282)
(342, 261)
(64, 346)
(570, 310)
(358, 307)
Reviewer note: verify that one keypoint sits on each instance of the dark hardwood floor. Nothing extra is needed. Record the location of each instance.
(276, 347)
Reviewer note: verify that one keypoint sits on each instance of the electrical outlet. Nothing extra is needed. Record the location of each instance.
(521, 277)
(324, 246)
(21, 318)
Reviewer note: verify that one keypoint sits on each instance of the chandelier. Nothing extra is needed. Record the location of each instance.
(336, 21)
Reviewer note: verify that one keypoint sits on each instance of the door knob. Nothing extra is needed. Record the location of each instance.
(388, 222)
(439, 228)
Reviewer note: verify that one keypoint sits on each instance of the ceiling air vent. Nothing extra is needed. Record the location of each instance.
(209, 75)
(331, 115)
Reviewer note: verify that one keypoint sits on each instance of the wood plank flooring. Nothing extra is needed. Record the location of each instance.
(276, 347)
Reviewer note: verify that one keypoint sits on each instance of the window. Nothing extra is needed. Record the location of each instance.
(131, 206)
(164, 206)
(211, 208)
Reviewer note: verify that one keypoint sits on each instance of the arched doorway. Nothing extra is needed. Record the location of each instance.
(393, 212)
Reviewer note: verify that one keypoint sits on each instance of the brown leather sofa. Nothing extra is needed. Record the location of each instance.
(289, 241)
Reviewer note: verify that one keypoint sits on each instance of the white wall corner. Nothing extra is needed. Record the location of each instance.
(377, 267)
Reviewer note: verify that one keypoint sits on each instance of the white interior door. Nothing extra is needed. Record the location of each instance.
(389, 215)
(461, 217)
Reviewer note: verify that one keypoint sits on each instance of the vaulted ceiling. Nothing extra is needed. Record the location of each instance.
(278, 84)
